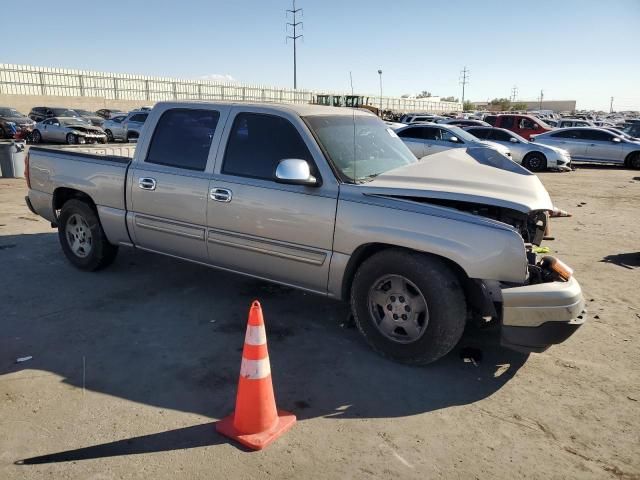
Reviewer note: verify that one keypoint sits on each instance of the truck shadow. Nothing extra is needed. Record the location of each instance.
(169, 334)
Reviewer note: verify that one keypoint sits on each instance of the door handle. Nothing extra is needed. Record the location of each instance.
(220, 195)
(147, 183)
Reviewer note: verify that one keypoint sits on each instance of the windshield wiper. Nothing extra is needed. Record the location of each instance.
(368, 178)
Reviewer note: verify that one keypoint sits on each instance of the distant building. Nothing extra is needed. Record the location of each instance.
(555, 105)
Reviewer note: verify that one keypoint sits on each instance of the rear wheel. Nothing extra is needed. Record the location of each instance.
(633, 161)
(535, 162)
(82, 238)
(409, 306)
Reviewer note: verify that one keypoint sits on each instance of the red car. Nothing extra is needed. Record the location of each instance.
(523, 125)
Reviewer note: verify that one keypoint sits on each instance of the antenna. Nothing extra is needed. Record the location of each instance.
(353, 116)
(294, 25)
(464, 79)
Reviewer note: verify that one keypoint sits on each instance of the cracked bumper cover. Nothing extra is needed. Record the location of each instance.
(534, 317)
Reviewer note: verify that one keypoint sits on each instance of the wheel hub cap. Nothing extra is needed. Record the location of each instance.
(79, 236)
(398, 308)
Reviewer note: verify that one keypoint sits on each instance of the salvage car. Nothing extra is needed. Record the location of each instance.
(328, 200)
(14, 124)
(591, 144)
(67, 130)
(108, 113)
(427, 139)
(535, 157)
(114, 128)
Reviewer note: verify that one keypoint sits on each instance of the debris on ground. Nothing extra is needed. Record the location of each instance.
(471, 355)
(541, 249)
(23, 359)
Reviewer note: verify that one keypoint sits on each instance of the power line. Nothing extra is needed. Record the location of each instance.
(294, 25)
(464, 79)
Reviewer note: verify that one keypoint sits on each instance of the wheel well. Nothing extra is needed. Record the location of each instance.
(62, 195)
(533, 153)
(363, 252)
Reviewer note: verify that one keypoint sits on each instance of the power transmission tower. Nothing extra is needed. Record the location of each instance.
(294, 25)
(464, 79)
(514, 94)
(611, 106)
(541, 98)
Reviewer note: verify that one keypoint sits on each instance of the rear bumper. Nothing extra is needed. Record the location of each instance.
(534, 317)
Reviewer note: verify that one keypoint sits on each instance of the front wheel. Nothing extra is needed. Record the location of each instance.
(109, 136)
(409, 306)
(82, 238)
(71, 139)
(36, 137)
(535, 162)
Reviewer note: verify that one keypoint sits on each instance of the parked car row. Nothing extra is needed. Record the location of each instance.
(527, 139)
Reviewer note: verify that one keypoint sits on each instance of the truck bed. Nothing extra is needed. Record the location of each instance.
(99, 171)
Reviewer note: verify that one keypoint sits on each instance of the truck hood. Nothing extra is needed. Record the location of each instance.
(477, 175)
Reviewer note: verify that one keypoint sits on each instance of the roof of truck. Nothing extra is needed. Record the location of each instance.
(302, 109)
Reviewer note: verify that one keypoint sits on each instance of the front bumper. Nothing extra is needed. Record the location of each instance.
(534, 317)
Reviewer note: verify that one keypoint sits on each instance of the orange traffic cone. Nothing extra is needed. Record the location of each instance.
(255, 422)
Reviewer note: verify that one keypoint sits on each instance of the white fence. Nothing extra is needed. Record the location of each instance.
(29, 80)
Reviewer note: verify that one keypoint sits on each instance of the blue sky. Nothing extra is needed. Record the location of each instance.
(585, 50)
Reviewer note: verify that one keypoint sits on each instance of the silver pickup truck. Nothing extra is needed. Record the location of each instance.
(331, 201)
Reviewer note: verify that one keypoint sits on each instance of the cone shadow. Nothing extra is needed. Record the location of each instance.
(203, 435)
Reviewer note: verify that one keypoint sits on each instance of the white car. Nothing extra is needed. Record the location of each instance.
(533, 156)
(427, 139)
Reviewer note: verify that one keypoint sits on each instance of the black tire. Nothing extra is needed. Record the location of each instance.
(535, 162)
(633, 161)
(36, 137)
(71, 139)
(439, 287)
(3, 134)
(100, 253)
(109, 136)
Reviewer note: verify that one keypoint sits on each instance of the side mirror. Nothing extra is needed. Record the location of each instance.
(454, 139)
(295, 171)
(616, 140)
(513, 140)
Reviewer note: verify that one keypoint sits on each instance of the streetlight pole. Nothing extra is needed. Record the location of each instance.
(380, 73)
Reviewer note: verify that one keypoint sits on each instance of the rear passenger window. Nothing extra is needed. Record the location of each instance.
(258, 142)
(182, 138)
(507, 122)
(566, 134)
(140, 117)
(415, 132)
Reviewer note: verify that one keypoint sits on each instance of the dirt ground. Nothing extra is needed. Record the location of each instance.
(131, 367)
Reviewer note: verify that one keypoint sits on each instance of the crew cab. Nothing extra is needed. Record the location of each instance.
(523, 125)
(328, 200)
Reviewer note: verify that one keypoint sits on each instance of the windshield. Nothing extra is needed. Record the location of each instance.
(10, 112)
(70, 121)
(85, 112)
(63, 112)
(460, 133)
(359, 147)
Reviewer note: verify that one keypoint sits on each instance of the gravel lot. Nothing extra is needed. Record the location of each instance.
(131, 367)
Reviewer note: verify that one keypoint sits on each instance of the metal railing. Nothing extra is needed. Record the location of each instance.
(30, 80)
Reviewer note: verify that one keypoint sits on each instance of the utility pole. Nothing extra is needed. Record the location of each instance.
(464, 79)
(514, 94)
(380, 73)
(611, 106)
(294, 25)
(541, 97)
